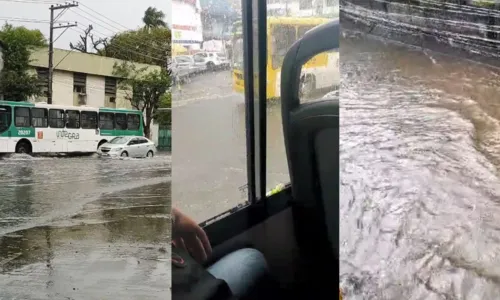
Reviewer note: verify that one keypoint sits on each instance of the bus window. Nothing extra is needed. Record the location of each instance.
(133, 122)
(39, 117)
(73, 119)
(107, 121)
(22, 117)
(89, 119)
(283, 37)
(121, 121)
(56, 118)
(5, 117)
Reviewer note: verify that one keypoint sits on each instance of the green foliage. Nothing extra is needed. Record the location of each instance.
(153, 18)
(164, 116)
(142, 46)
(16, 83)
(148, 88)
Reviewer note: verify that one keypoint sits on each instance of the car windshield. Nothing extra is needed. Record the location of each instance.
(119, 140)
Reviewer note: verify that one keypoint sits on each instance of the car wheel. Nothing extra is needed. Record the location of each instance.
(124, 154)
(150, 154)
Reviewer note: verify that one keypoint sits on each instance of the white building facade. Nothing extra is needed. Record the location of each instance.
(187, 29)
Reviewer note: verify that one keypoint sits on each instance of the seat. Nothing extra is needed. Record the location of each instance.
(311, 134)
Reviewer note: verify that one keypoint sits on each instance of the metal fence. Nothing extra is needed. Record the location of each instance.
(165, 138)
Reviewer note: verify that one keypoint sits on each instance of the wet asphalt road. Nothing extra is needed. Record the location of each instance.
(84, 228)
(419, 174)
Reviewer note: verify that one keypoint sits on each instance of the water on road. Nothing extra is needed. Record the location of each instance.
(84, 228)
(419, 174)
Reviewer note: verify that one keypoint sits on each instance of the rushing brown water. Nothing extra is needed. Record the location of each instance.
(419, 173)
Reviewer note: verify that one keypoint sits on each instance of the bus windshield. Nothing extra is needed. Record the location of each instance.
(119, 140)
(5, 118)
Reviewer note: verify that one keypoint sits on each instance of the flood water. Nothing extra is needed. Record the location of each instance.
(84, 228)
(420, 192)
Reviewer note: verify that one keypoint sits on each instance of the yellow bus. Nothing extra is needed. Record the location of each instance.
(321, 72)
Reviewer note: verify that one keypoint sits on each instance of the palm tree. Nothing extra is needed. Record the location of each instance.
(153, 18)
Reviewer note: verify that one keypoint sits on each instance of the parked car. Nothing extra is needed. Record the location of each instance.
(128, 146)
(213, 60)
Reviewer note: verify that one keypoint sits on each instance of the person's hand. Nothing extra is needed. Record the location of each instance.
(188, 235)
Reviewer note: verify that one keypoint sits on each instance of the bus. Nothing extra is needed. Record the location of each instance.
(321, 72)
(27, 127)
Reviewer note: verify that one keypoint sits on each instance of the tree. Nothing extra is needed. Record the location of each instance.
(85, 39)
(153, 18)
(163, 116)
(16, 82)
(148, 47)
(148, 86)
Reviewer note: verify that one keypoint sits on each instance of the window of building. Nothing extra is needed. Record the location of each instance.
(40, 117)
(80, 83)
(88, 119)
(56, 118)
(22, 117)
(43, 80)
(110, 88)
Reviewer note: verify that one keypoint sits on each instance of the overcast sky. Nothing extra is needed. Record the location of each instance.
(113, 16)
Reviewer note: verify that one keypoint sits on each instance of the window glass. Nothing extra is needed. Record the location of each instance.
(5, 117)
(133, 121)
(40, 117)
(210, 168)
(72, 119)
(107, 121)
(56, 118)
(22, 117)
(282, 38)
(89, 119)
(121, 121)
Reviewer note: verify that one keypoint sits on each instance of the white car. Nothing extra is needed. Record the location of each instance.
(212, 60)
(128, 146)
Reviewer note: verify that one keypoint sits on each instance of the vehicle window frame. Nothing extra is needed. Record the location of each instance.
(45, 118)
(18, 108)
(124, 121)
(62, 120)
(138, 122)
(112, 121)
(96, 115)
(8, 111)
(78, 120)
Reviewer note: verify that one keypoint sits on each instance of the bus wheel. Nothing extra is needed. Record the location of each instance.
(23, 147)
(100, 144)
(124, 154)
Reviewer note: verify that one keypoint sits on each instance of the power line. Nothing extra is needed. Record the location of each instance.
(32, 1)
(96, 12)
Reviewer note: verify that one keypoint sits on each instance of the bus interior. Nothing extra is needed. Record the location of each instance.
(296, 228)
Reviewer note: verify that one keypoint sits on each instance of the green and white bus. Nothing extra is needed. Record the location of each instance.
(45, 128)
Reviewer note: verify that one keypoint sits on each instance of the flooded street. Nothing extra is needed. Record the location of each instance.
(420, 152)
(210, 149)
(84, 228)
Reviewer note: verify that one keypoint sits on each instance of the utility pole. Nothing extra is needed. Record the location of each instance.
(53, 8)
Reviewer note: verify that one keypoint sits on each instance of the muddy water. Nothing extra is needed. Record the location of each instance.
(419, 173)
(84, 228)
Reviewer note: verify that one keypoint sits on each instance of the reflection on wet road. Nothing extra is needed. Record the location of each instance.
(419, 173)
(84, 228)
(210, 149)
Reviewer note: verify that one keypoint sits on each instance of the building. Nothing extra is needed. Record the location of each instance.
(217, 17)
(187, 29)
(83, 79)
(304, 8)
